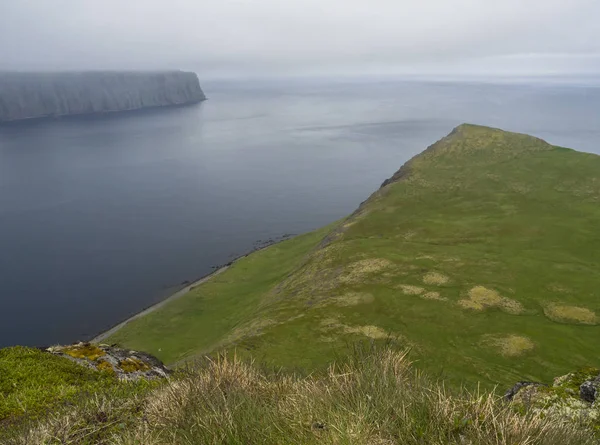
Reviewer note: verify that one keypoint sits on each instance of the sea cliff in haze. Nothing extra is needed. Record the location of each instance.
(35, 95)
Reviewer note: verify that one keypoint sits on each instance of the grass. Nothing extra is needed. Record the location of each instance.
(224, 307)
(34, 384)
(31, 381)
(487, 234)
(374, 397)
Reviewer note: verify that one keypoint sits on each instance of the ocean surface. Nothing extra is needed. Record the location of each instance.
(101, 217)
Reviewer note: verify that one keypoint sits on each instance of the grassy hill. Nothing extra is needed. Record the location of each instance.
(482, 255)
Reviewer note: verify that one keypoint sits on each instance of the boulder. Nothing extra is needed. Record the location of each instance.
(124, 363)
(573, 397)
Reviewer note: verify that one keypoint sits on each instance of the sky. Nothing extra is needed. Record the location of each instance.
(237, 38)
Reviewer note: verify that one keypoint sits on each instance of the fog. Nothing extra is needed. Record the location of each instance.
(265, 37)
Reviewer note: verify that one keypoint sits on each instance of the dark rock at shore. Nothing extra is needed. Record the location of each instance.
(37, 95)
(124, 363)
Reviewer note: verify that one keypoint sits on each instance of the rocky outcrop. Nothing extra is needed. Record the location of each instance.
(125, 364)
(35, 95)
(575, 396)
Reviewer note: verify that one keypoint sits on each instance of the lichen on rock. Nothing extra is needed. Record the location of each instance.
(125, 364)
(574, 396)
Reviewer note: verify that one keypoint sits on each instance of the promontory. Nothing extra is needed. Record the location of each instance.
(36, 95)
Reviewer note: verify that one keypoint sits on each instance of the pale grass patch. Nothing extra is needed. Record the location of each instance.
(253, 328)
(333, 324)
(358, 271)
(511, 345)
(570, 314)
(433, 296)
(411, 290)
(557, 287)
(351, 299)
(370, 331)
(409, 235)
(481, 298)
(435, 278)
(426, 257)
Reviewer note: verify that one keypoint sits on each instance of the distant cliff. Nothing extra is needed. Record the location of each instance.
(34, 95)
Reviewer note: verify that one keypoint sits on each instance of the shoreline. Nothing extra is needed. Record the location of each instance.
(181, 292)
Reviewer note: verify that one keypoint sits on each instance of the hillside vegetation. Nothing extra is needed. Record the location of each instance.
(374, 397)
(475, 265)
(481, 255)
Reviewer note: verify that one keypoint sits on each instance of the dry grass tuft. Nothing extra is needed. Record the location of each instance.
(481, 298)
(435, 279)
(570, 314)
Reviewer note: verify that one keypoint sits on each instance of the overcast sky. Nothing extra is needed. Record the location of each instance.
(254, 37)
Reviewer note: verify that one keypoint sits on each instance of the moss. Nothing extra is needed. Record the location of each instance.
(573, 380)
(133, 364)
(33, 381)
(84, 351)
(105, 366)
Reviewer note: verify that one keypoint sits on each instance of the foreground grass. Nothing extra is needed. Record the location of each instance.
(34, 384)
(32, 381)
(374, 398)
(482, 256)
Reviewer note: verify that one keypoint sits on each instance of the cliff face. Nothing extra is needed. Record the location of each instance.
(33, 95)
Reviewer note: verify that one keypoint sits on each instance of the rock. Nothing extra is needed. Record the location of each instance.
(590, 390)
(571, 397)
(125, 364)
(511, 393)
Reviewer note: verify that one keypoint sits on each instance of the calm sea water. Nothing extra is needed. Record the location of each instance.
(101, 217)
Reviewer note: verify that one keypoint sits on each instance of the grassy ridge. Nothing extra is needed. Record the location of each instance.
(481, 256)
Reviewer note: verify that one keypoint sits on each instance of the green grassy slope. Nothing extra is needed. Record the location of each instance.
(31, 381)
(482, 255)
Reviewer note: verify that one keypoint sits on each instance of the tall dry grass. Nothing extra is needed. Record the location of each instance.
(375, 398)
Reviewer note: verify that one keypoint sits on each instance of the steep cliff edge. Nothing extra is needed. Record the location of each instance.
(35, 95)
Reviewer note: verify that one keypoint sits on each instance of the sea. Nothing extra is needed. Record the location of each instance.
(103, 216)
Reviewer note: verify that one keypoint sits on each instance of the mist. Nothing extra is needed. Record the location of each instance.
(237, 38)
